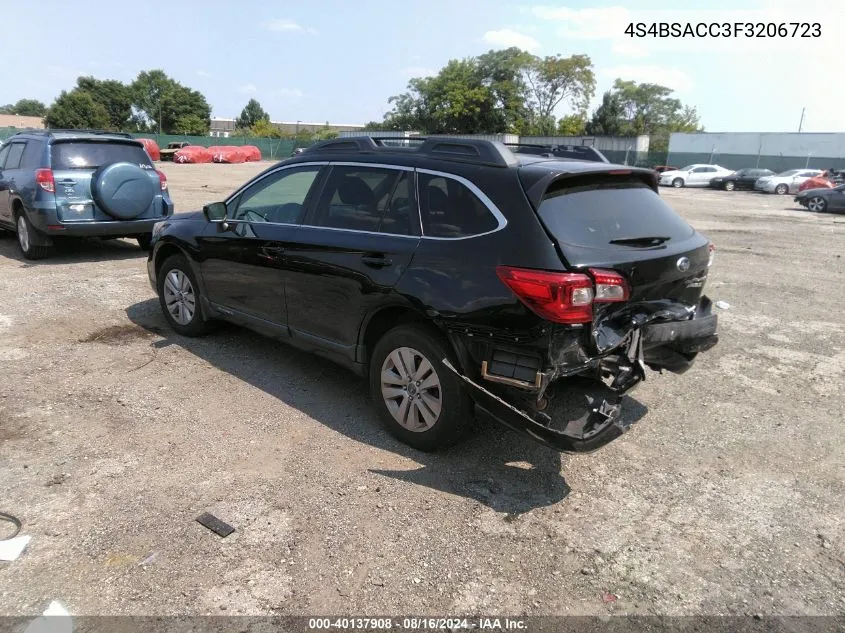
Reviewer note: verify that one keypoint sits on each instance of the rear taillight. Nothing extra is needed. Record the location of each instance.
(564, 297)
(44, 179)
(712, 248)
(162, 179)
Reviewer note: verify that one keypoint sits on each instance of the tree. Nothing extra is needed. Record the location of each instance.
(114, 96)
(504, 73)
(572, 125)
(631, 109)
(191, 125)
(325, 133)
(25, 107)
(252, 114)
(76, 109)
(554, 80)
(160, 101)
(263, 128)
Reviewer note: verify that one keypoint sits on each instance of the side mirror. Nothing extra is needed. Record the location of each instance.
(215, 212)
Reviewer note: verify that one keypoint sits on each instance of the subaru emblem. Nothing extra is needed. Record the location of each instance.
(683, 264)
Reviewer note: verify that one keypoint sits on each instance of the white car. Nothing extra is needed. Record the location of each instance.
(693, 175)
(785, 182)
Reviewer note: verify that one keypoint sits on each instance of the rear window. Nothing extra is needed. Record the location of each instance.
(87, 155)
(606, 211)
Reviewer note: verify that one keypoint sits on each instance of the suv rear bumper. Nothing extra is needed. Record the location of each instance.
(46, 222)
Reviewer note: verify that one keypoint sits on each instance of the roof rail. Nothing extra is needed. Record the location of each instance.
(476, 151)
(48, 132)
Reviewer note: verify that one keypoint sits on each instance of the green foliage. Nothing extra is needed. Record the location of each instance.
(113, 95)
(263, 128)
(25, 107)
(77, 109)
(325, 133)
(631, 109)
(161, 101)
(572, 125)
(252, 114)
(500, 91)
(191, 125)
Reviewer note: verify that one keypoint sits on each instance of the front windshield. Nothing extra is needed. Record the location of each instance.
(791, 172)
(687, 168)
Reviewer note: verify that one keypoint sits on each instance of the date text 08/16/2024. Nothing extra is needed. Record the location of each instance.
(718, 30)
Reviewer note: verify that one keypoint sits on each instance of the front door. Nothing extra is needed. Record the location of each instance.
(351, 251)
(243, 259)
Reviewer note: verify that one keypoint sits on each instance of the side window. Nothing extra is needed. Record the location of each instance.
(373, 199)
(709, 169)
(13, 160)
(279, 197)
(449, 209)
(4, 153)
(697, 170)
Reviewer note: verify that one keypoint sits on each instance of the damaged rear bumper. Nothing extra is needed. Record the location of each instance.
(660, 335)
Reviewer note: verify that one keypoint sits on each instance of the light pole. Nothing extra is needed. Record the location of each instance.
(296, 135)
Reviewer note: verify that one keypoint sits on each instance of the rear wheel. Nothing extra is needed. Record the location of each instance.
(144, 241)
(781, 189)
(179, 296)
(26, 234)
(730, 186)
(678, 183)
(420, 401)
(817, 204)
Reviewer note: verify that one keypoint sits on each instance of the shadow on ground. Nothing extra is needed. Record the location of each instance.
(493, 466)
(71, 250)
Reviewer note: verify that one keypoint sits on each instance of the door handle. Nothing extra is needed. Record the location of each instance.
(376, 261)
(272, 251)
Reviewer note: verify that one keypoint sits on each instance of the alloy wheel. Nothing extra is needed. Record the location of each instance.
(816, 204)
(411, 389)
(23, 233)
(179, 296)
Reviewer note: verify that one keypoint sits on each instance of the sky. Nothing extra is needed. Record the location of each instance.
(340, 60)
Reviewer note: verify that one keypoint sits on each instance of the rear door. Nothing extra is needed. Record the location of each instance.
(75, 163)
(243, 261)
(351, 251)
(618, 222)
(11, 179)
(5, 206)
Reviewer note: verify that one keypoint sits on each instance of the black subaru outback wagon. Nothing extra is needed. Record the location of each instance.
(454, 274)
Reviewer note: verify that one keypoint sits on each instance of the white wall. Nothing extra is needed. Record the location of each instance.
(766, 144)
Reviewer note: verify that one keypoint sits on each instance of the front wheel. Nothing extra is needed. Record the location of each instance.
(26, 233)
(781, 189)
(817, 204)
(179, 296)
(420, 401)
(678, 183)
(729, 186)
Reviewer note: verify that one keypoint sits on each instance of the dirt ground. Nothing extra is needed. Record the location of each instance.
(115, 434)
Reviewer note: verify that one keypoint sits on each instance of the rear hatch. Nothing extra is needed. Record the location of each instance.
(618, 221)
(74, 163)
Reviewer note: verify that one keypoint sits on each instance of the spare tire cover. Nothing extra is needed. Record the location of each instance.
(123, 190)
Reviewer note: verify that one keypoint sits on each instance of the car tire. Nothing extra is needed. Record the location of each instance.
(430, 412)
(25, 232)
(730, 186)
(678, 183)
(819, 203)
(145, 241)
(781, 189)
(179, 297)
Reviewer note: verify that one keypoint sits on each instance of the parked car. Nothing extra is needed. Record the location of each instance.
(167, 153)
(741, 179)
(56, 183)
(431, 271)
(298, 151)
(569, 152)
(786, 181)
(821, 200)
(693, 175)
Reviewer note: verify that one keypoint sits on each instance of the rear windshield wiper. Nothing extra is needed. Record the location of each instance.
(641, 241)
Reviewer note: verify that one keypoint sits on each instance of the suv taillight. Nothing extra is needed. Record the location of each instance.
(564, 297)
(162, 179)
(44, 179)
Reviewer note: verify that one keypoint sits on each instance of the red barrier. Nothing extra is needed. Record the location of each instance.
(192, 154)
(252, 152)
(227, 154)
(816, 182)
(152, 148)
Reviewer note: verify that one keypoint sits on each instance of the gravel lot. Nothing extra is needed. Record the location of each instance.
(726, 498)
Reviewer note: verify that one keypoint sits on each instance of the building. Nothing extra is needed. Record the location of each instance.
(21, 122)
(777, 151)
(221, 127)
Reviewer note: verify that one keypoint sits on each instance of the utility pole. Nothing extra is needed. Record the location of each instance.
(801, 124)
(159, 116)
